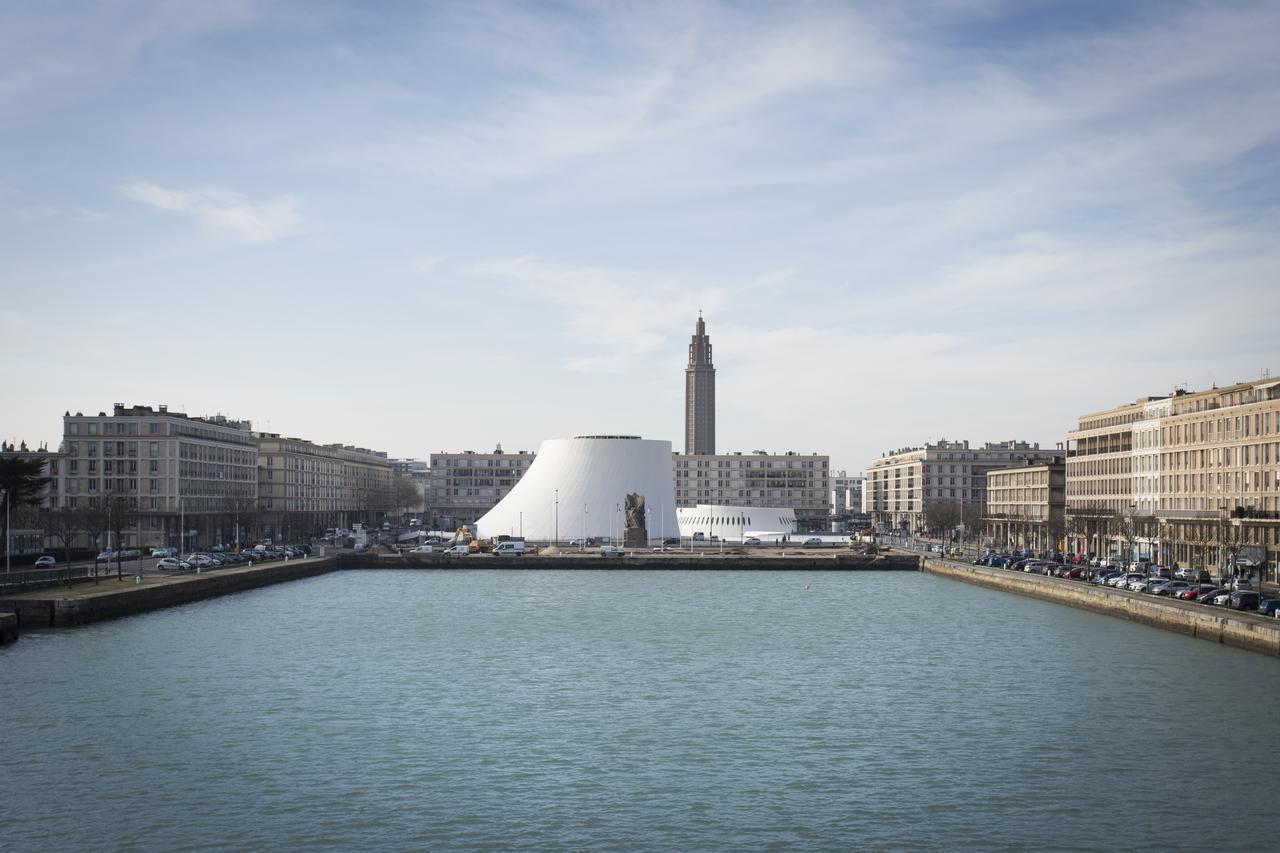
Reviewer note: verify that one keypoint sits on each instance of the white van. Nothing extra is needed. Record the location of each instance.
(510, 548)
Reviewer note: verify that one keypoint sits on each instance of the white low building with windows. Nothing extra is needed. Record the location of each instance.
(736, 523)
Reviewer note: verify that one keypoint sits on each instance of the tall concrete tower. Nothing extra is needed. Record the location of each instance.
(700, 395)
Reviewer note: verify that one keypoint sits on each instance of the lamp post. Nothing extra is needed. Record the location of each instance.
(8, 532)
(556, 541)
(582, 543)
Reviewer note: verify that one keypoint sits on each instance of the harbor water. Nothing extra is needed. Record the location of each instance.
(624, 710)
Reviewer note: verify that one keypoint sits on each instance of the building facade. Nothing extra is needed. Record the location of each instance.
(758, 480)
(900, 486)
(1219, 490)
(174, 472)
(1026, 505)
(1100, 477)
(462, 487)
(1191, 478)
(305, 488)
(700, 395)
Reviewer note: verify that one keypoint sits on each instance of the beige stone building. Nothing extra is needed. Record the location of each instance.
(1100, 477)
(1192, 478)
(767, 480)
(175, 471)
(899, 486)
(465, 485)
(305, 488)
(1026, 505)
(1219, 495)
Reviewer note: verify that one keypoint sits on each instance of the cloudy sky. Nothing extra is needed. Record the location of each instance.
(424, 227)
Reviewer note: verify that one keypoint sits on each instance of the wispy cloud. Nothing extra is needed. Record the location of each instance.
(625, 314)
(225, 212)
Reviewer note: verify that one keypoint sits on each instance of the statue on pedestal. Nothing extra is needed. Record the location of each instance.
(636, 534)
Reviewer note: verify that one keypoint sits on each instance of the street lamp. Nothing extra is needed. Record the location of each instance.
(8, 532)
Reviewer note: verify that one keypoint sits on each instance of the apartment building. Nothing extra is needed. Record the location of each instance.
(1219, 489)
(305, 488)
(463, 486)
(846, 494)
(1100, 472)
(899, 486)
(788, 480)
(174, 471)
(1026, 505)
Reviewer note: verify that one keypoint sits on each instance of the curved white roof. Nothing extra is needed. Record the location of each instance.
(736, 522)
(592, 475)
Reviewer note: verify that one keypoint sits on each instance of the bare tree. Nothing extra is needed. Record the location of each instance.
(405, 493)
(943, 516)
(64, 525)
(119, 514)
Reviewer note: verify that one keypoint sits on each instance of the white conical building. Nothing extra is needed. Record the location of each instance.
(577, 487)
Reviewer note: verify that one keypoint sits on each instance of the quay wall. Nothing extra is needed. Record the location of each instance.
(646, 562)
(58, 609)
(8, 628)
(1229, 627)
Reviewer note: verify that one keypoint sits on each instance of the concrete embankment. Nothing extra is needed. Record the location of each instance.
(8, 628)
(668, 561)
(1232, 628)
(110, 599)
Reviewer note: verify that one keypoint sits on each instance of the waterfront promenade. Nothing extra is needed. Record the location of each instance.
(1242, 629)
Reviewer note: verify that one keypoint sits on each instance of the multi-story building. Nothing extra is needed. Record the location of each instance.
(900, 486)
(1101, 481)
(304, 488)
(464, 486)
(1026, 505)
(767, 480)
(173, 471)
(1219, 471)
(700, 395)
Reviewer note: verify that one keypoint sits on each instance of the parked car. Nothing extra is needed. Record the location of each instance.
(46, 562)
(106, 555)
(1171, 588)
(1192, 593)
(172, 564)
(813, 542)
(1210, 595)
(423, 549)
(457, 551)
(612, 551)
(1222, 597)
(1269, 606)
(164, 552)
(1244, 599)
(751, 540)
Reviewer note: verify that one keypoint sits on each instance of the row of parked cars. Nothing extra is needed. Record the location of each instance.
(1186, 584)
(216, 559)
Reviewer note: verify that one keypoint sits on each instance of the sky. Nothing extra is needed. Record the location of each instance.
(426, 227)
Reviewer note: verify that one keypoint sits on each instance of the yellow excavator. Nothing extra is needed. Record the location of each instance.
(464, 536)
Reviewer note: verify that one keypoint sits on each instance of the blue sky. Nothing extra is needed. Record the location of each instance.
(424, 227)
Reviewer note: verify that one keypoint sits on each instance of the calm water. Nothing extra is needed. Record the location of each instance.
(626, 711)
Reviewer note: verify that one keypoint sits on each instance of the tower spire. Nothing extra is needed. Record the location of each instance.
(700, 394)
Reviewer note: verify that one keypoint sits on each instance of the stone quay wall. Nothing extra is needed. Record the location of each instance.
(1229, 627)
(112, 599)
